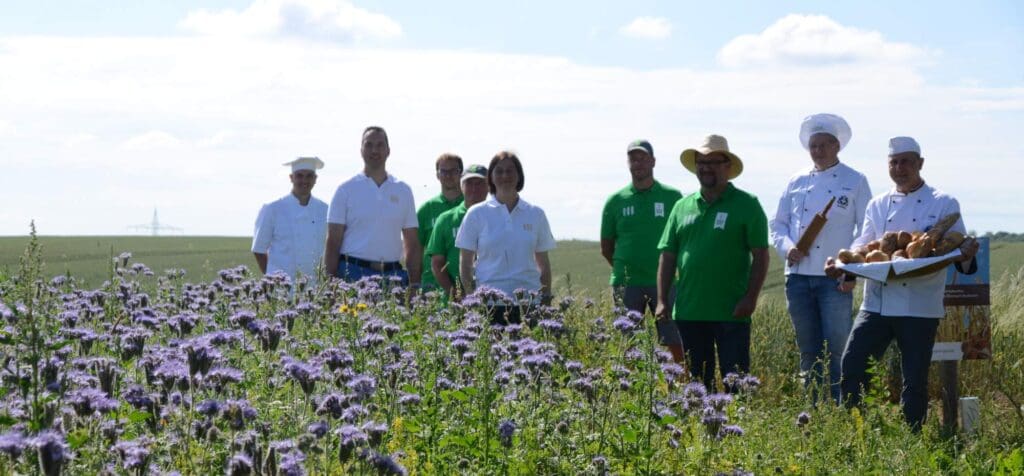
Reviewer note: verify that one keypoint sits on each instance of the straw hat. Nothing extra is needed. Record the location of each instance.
(712, 143)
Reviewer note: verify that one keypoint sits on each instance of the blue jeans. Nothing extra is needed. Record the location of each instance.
(352, 272)
(870, 337)
(821, 316)
(702, 338)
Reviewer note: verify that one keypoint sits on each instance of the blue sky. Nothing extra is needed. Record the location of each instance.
(189, 107)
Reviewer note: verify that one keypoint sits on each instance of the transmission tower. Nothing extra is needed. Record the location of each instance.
(155, 227)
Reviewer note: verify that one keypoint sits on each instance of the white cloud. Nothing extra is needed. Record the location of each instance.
(648, 28)
(200, 126)
(330, 20)
(808, 40)
(152, 140)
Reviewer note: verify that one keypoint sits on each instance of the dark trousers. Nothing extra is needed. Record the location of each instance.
(869, 338)
(702, 338)
(504, 315)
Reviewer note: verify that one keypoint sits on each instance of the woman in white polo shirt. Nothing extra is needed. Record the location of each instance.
(507, 239)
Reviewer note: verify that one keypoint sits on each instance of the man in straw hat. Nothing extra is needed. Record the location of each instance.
(820, 307)
(908, 309)
(631, 225)
(717, 240)
(290, 231)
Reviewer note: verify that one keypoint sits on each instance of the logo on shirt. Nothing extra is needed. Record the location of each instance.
(659, 209)
(843, 201)
(689, 219)
(527, 227)
(720, 220)
(394, 198)
(628, 211)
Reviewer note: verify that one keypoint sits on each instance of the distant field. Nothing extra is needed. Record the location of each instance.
(576, 265)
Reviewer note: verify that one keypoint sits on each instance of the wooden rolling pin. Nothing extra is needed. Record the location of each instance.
(817, 223)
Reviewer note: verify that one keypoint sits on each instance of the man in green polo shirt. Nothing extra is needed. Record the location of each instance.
(448, 168)
(631, 224)
(441, 250)
(717, 240)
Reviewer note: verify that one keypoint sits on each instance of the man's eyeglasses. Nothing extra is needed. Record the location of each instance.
(710, 163)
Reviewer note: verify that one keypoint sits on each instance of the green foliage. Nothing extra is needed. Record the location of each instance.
(559, 430)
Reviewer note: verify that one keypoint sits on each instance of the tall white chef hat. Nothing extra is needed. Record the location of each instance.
(306, 163)
(825, 123)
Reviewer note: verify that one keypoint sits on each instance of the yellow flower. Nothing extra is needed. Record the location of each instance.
(361, 306)
(343, 308)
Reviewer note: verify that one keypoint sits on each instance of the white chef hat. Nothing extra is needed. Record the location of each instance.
(825, 123)
(899, 145)
(305, 163)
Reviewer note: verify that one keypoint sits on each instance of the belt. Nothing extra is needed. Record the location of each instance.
(379, 266)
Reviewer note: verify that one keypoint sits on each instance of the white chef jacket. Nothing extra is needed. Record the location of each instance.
(806, 194)
(916, 211)
(505, 243)
(374, 217)
(291, 235)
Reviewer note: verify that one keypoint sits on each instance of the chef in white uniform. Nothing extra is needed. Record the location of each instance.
(907, 310)
(290, 231)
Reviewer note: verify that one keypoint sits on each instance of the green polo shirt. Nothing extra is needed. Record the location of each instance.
(442, 240)
(427, 215)
(712, 244)
(635, 220)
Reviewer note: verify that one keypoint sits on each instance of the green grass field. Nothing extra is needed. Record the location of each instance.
(577, 265)
(559, 427)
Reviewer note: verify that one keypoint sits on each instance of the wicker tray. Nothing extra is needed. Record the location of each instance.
(900, 268)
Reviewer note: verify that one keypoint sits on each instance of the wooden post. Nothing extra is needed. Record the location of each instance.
(950, 394)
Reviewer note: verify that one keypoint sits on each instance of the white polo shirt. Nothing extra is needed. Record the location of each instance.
(291, 235)
(374, 217)
(916, 211)
(505, 243)
(806, 194)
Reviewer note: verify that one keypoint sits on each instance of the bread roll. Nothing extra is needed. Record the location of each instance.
(858, 258)
(845, 256)
(902, 254)
(876, 256)
(950, 241)
(903, 240)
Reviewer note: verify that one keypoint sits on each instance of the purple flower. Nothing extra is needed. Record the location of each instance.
(12, 444)
(336, 358)
(732, 430)
(506, 428)
(53, 451)
(306, 375)
(333, 405)
(208, 407)
(351, 438)
(718, 401)
(87, 401)
(239, 465)
(384, 464)
(133, 453)
(672, 371)
(242, 318)
(409, 399)
(201, 355)
(552, 326)
(803, 419)
(363, 386)
(238, 413)
(375, 431)
(625, 325)
(318, 429)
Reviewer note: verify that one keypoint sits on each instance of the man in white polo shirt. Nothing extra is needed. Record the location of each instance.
(372, 221)
(290, 231)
